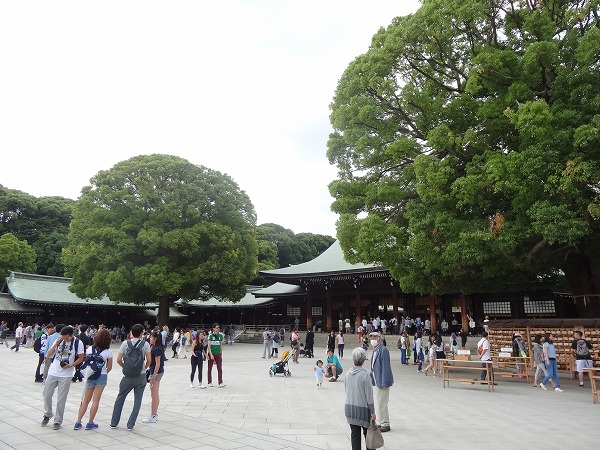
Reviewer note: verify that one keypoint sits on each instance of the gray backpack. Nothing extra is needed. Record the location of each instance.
(133, 360)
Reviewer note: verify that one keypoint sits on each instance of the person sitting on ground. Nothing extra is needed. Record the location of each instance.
(333, 367)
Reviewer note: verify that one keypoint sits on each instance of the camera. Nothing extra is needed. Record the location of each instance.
(64, 362)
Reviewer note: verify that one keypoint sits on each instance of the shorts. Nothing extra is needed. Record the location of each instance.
(583, 363)
(102, 380)
(338, 371)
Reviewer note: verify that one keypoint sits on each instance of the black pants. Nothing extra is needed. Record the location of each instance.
(355, 438)
(39, 376)
(196, 362)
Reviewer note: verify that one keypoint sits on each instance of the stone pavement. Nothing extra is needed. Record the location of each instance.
(256, 411)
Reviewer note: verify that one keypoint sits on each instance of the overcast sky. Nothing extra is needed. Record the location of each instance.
(242, 87)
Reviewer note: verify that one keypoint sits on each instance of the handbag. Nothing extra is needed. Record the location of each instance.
(374, 436)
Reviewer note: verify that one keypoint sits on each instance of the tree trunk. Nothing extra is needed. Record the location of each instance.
(164, 304)
(583, 276)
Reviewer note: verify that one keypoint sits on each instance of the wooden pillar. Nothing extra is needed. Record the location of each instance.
(329, 311)
(432, 317)
(463, 308)
(358, 310)
(309, 317)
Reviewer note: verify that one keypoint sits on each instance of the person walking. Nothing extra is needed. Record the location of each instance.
(538, 359)
(331, 340)
(39, 371)
(383, 378)
(155, 374)
(65, 353)
(128, 359)
(359, 407)
(267, 343)
(94, 388)
(483, 350)
(309, 344)
(215, 343)
(19, 334)
(197, 359)
(550, 359)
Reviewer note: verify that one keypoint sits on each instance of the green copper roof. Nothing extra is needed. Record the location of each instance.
(9, 305)
(330, 262)
(280, 290)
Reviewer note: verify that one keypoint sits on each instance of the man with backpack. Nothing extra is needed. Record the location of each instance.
(83, 337)
(66, 352)
(581, 350)
(43, 348)
(134, 357)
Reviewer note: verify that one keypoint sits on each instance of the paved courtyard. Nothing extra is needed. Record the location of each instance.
(256, 411)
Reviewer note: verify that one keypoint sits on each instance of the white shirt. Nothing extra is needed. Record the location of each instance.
(68, 351)
(483, 342)
(19, 332)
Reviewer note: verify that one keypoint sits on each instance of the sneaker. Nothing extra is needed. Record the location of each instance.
(56, 426)
(192, 385)
(581, 385)
(91, 426)
(543, 387)
(151, 419)
(114, 427)
(45, 421)
(77, 426)
(202, 386)
(332, 380)
(557, 389)
(129, 429)
(210, 385)
(222, 385)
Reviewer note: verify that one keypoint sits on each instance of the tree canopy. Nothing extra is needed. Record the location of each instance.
(156, 228)
(467, 140)
(16, 255)
(42, 221)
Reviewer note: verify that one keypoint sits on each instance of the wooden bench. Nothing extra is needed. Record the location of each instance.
(594, 376)
(504, 361)
(455, 364)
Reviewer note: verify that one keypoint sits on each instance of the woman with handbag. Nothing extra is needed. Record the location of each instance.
(359, 406)
(155, 373)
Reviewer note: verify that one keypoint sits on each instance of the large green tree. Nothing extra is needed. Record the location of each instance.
(468, 145)
(157, 228)
(16, 255)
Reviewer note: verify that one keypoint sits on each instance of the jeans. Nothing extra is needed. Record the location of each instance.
(341, 350)
(17, 344)
(403, 356)
(63, 384)
(39, 376)
(197, 362)
(128, 384)
(483, 372)
(355, 438)
(552, 373)
(421, 358)
(218, 360)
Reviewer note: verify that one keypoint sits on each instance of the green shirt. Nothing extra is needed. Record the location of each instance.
(215, 340)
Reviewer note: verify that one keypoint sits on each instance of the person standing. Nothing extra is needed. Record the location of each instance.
(463, 338)
(339, 342)
(275, 345)
(87, 342)
(383, 378)
(155, 374)
(267, 343)
(94, 388)
(347, 325)
(19, 333)
(581, 350)
(66, 352)
(331, 341)
(404, 346)
(128, 353)
(295, 345)
(483, 350)
(418, 349)
(197, 359)
(215, 343)
(231, 334)
(309, 344)
(359, 407)
(39, 372)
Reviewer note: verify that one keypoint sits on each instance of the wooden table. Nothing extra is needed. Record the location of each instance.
(448, 364)
(594, 375)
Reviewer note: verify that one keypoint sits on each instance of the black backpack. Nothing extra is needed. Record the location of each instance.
(133, 360)
(95, 362)
(37, 344)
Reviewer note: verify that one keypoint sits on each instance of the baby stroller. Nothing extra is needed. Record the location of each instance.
(282, 366)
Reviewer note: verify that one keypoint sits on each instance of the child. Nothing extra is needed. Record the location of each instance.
(319, 373)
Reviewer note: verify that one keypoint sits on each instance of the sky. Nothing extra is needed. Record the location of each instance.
(242, 87)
